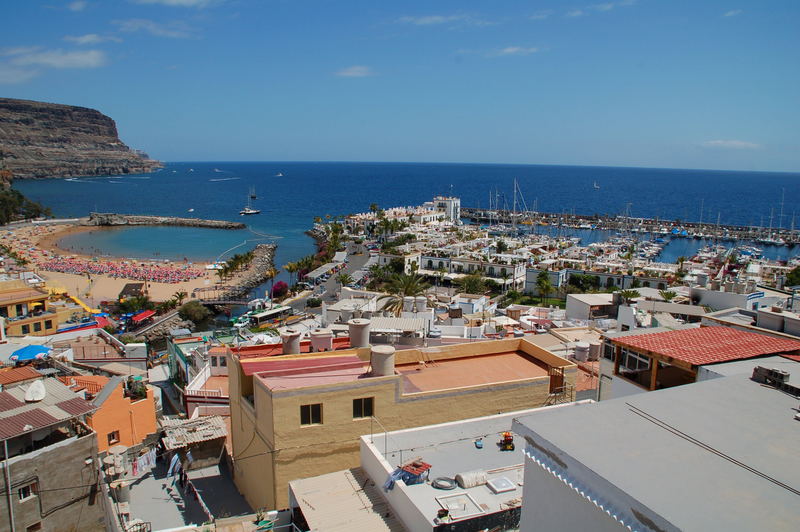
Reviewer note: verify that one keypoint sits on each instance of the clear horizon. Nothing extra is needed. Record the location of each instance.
(620, 83)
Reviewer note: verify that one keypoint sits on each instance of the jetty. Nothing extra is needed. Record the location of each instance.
(623, 224)
(108, 219)
(237, 294)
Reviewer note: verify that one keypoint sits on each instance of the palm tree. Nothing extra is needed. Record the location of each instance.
(668, 295)
(179, 296)
(629, 295)
(544, 285)
(505, 276)
(291, 268)
(680, 262)
(440, 273)
(270, 274)
(400, 286)
(344, 279)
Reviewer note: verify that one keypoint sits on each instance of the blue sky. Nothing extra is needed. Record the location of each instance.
(663, 83)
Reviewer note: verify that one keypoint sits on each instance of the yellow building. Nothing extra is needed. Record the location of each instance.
(25, 311)
(296, 416)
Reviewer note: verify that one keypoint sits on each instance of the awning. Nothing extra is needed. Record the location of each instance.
(29, 352)
(143, 316)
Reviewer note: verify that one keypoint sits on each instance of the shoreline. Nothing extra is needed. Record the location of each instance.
(40, 243)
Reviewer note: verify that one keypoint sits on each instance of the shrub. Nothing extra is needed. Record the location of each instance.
(280, 289)
(313, 302)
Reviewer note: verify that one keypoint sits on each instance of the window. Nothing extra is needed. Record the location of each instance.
(311, 414)
(28, 490)
(37, 327)
(48, 324)
(26, 329)
(213, 362)
(36, 527)
(113, 437)
(363, 407)
(223, 362)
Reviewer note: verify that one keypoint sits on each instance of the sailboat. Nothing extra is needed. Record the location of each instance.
(247, 210)
(596, 186)
(253, 193)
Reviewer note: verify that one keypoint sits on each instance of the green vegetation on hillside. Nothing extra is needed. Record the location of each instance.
(15, 206)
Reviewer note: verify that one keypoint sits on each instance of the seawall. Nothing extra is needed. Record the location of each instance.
(114, 219)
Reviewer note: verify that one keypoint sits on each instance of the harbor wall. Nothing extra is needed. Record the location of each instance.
(114, 219)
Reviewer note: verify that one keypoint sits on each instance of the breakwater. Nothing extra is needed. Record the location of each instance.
(107, 219)
(257, 273)
(677, 228)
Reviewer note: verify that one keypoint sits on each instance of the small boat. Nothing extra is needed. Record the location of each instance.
(279, 174)
(253, 193)
(190, 210)
(249, 210)
(596, 186)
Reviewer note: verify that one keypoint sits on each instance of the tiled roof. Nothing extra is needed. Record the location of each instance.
(9, 402)
(58, 404)
(14, 425)
(708, 345)
(76, 406)
(279, 365)
(12, 375)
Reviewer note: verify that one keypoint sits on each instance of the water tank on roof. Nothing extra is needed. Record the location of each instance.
(321, 340)
(382, 360)
(408, 304)
(595, 348)
(421, 304)
(291, 342)
(582, 351)
(359, 332)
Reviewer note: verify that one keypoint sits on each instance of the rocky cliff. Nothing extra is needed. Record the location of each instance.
(51, 140)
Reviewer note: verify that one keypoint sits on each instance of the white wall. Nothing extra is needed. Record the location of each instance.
(550, 504)
(576, 309)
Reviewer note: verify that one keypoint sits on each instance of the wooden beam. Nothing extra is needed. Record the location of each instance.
(653, 373)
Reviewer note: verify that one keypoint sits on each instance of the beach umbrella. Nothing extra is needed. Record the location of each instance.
(29, 352)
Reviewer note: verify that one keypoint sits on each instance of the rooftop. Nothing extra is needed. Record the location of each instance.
(716, 455)
(470, 371)
(707, 345)
(180, 433)
(13, 375)
(18, 416)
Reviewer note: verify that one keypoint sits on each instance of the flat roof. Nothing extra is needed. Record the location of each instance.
(450, 449)
(469, 371)
(707, 345)
(594, 299)
(720, 454)
(345, 501)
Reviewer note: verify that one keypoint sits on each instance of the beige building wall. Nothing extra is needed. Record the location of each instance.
(271, 447)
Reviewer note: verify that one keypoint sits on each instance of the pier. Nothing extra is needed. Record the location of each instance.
(623, 224)
(107, 219)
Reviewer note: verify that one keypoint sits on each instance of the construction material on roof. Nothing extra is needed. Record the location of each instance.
(182, 432)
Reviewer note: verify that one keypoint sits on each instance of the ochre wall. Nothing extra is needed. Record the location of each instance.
(133, 420)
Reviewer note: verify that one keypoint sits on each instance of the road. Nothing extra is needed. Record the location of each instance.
(357, 256)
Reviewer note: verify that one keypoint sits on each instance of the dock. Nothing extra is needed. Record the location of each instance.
(624, 224)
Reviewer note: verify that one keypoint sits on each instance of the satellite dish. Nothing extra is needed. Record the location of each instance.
(35, 392)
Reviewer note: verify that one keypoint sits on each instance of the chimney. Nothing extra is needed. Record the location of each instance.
(359, 332)
(291, 342)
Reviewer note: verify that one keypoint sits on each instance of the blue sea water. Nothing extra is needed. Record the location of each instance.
(290, 202)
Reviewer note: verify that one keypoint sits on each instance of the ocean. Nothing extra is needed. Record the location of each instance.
(292, 194)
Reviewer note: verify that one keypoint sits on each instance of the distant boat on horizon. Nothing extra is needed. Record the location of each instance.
(279, 174)
(596, 186)
(253, 193)
(190, 210)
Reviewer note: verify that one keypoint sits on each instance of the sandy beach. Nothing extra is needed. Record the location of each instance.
(39, 245)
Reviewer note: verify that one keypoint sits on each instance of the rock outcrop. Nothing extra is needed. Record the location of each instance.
(40, 140)
(114, 219)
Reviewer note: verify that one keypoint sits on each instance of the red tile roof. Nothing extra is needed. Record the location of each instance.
(275, 366)
(9, 402)
(12, 375)
(708, 345)
(76, 406)
(261, 350)
(15, 425)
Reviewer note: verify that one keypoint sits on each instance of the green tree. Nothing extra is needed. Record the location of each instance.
(668, 295)
(344, 279)
(793, 277)
(544, 285)
(179, 296)
(400, 286)
(629, 295)
(501, 246)
(195, 312)
(473, 283)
